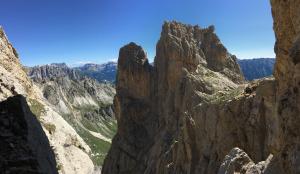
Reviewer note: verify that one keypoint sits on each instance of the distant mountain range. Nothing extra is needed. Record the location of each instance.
(252, 69)
(85, 103)
(256, 68)
(102, 72)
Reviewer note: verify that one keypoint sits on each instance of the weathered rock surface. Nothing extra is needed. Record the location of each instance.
(64, 87)
(193, 109)
(85, 103)
(13, 78)
(160, 108)
(238, 162)
(71, 152)
(287, 31)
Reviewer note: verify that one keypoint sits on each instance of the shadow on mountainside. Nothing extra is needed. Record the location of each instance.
(24, 145)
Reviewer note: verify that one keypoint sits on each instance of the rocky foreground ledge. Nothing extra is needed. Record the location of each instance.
(191, 112)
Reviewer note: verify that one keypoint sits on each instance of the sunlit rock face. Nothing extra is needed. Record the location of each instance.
(287, 31)
(196, 114)
(287, 28)
(27, 155)
(163, 109)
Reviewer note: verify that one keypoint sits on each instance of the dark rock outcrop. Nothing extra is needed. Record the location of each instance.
(24, 146)
(132, 108)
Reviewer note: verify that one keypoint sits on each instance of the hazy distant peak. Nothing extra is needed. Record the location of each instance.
(101, 72)
(257, 67)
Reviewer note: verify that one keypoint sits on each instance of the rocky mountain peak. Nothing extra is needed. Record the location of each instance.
(152, 101)
(186, 46)
(94, 66)
(59, 65)
(50, 71)
(133, 75)
(101, 72)
(199, 114)
(132, 54)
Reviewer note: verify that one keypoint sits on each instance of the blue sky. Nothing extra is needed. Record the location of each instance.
(79, 31)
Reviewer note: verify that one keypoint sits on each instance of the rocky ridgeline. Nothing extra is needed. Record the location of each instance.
(191, 112)
(63, 86)
(102, 72)
(257, 68)
(84, 102)
(252, 69)
(54, 70)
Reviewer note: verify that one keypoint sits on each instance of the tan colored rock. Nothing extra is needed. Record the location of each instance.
(160, 108)
(186, 46)
(13, 81)
(198, 111)
(287, 31)
(286, 27)
(133, 72)
(13, 78)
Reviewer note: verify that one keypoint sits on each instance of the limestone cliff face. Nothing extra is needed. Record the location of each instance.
(13, 78)
(185, 46)
(198, 110)
(286, 27)
(160, 108)
(70, 150)
(287, 31)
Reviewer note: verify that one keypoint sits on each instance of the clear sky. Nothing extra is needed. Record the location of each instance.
(78, 31)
